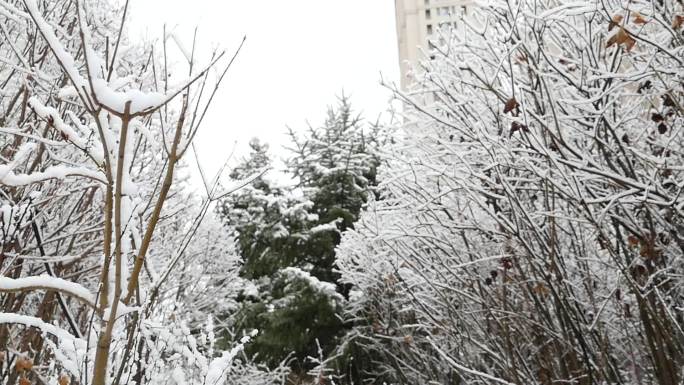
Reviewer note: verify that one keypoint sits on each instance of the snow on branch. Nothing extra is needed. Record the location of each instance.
(101, 91)
(219, 367)
(51, 115)
(330, 226)
(46, 282)
(10, 178)
(65, 59)
(69, 349)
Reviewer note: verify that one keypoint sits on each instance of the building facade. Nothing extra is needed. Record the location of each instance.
(417, 23)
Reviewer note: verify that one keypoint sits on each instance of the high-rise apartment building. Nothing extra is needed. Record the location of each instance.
(417, 22)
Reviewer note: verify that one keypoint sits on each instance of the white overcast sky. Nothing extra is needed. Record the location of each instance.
(298, 56)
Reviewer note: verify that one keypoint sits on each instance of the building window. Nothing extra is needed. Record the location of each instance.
(427, 14)
(429, 29)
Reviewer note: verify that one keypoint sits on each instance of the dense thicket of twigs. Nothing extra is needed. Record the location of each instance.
(104, 256)
(532, 221)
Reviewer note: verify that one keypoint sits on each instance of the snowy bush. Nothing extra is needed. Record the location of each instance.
(530, 230)
(106, 262)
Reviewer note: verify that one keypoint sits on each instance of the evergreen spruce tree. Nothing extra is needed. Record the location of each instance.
(336, 167)
(287, 237)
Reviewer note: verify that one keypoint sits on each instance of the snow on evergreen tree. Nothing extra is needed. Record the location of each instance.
(287, 235)
(270, 221)
(336, 168)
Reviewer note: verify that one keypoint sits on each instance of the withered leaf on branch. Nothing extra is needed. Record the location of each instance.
(616, 20)
(23, 364)
(647, 85)
(632, 241)
(521, 58)
(677, 21)
(511, 105)
(515, 126)
(648, 250)
(541, 289)
(639, 19)
(656, 117)
(662, 128)
(621, 37)
(630, 44)
(668, 101)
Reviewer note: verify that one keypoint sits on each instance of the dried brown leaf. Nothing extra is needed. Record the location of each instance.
(616, 20)
(621, 37)
(23, 364)
(677, 21)
(511, 105)
(639, 19)
(632, 241)
(541, 289)
(629, 43)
